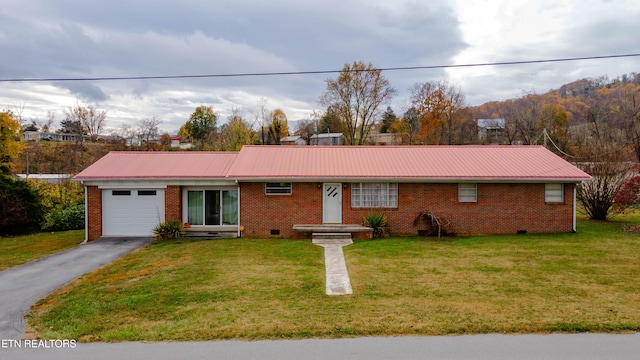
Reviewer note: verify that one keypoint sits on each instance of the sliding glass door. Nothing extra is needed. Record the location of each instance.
(212, 207)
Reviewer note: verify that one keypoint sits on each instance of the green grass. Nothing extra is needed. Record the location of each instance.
(18, 250)
(265, 289)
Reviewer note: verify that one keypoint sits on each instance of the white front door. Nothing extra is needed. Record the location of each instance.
(332, 203)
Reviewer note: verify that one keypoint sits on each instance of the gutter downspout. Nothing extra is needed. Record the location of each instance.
(86, 216)
(575, 189)
(239, 223)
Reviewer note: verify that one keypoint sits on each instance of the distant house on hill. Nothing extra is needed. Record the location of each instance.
(388, 139)
(491, 131)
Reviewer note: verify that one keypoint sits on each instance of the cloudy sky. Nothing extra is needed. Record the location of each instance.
(115, 38)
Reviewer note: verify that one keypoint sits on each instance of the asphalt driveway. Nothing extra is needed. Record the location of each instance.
(22, 286)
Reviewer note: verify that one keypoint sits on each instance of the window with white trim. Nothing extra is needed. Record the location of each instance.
(211, 207)
(467, 193)
(374, 195)
(554, 193)
(277, 188)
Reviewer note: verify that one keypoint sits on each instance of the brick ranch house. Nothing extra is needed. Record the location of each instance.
(264, 191)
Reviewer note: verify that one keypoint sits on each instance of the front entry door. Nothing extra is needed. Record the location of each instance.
(332, 203)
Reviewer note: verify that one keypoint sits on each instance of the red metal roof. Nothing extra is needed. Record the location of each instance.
(425, 163)
(178, 164)
(402, 162)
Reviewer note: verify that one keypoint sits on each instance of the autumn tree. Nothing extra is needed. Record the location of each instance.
(261, 118)
(507, 111)
(165, 141)
(10, 145)
(400, 126)
(554, 121)
(409, 123)
(127, 133)
(201, 125)
(626, 111)
(525, 115)
(88, 119)
(437, 106)
(236, 133)
(184, 133)
(356, 95)
(148, 130)
(305, 129)
(278, 126)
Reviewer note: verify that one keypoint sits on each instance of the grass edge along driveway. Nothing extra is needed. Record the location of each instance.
(274, 288)
(18, 250)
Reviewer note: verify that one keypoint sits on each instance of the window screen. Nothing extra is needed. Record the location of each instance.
(554, 193)
(467, 193)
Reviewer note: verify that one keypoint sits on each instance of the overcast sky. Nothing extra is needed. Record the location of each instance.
(115, 38)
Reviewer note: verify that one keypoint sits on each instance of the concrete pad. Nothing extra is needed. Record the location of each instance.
(337, 276)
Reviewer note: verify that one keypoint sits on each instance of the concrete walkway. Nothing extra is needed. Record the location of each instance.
(338, 282)
(22, 286)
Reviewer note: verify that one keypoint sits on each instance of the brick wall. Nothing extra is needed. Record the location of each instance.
(94, 213)
(500, 209)
(172, 203)
(260, 213)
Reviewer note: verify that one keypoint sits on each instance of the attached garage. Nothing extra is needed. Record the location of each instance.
(131, 212)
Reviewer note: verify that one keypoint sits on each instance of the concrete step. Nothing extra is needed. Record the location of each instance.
(331, 239)
(331, 236)
(210, 234)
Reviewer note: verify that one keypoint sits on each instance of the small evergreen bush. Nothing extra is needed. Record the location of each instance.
(20, 209)
(62, 218)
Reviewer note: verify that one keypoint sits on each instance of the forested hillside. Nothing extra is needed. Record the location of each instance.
(579, 117)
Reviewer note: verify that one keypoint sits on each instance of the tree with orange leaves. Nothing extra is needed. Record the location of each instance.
(437, 105)
(356, 96)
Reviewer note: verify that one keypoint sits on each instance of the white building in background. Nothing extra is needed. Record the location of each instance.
(292, 140)
(48, 136)
(327, 139)
(50, 178)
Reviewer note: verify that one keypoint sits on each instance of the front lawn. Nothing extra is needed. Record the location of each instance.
(265, 289)
(16, 250)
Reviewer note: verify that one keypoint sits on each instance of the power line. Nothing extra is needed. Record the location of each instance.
(502, 63)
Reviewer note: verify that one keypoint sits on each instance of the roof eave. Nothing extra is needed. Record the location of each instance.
(417, 179)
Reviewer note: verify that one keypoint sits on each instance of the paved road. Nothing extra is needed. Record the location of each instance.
(480, 347)
(22, 286)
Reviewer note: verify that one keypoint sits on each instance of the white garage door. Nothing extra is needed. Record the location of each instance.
(131, 212)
